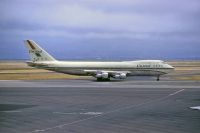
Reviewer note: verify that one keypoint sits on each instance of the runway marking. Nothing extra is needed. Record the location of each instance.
(81, 113)
(196, 108)
(63, 113)
(109, 112)
(91, 113)
(176, 92)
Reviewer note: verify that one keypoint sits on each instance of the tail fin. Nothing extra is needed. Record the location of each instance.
(36, 53)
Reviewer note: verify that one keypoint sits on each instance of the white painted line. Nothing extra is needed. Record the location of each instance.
(95, 116)
(60, 126)
(39, 130)
(176, 92)
(91, 113)
(109, 112)
(81, 113)
(63, 113)
(197, 107)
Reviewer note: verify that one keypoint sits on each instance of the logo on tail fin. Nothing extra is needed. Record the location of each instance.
(31, 45)
(36, 52)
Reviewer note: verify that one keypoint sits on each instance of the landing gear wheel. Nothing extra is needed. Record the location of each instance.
(102, 79)
(158, 78)
(99, 79)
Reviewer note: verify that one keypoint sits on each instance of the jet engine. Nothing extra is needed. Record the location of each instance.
(103, 75)
(120, 76)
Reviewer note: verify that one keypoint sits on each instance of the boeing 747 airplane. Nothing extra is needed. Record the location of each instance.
(100, 70)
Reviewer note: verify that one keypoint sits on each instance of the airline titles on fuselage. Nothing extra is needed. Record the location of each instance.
(149, 66)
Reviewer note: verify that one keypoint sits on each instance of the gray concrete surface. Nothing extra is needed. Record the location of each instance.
(86, 106)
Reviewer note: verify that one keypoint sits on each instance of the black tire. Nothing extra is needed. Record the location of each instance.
(102, 79)
(99, 79)
(158, 78)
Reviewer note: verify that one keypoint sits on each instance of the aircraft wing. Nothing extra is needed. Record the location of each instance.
(107, 73)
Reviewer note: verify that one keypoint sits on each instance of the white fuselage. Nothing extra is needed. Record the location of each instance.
(100, 70)
(132, 68)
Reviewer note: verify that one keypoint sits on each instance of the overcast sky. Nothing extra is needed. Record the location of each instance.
(110, 29)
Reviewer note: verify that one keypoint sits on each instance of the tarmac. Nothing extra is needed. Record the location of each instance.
(87, 106)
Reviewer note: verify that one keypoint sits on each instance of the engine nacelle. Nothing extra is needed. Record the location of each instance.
(120, 76)
(103, 75)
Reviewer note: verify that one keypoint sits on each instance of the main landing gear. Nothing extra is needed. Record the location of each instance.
(103, 79)
(158, 78)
